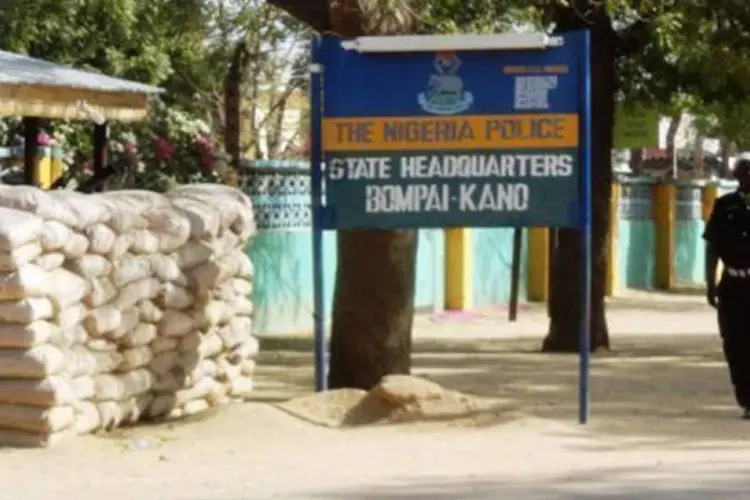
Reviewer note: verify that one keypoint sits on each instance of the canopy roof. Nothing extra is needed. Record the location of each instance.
(32, 87)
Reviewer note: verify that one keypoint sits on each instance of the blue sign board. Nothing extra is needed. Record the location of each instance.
(452, 139)
(460, 138)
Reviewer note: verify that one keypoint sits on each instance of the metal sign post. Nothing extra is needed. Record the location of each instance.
(451, 131)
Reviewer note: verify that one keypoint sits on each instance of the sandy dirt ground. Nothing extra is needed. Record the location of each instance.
(663, 424)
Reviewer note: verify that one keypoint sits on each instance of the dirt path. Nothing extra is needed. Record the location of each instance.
(662, 418)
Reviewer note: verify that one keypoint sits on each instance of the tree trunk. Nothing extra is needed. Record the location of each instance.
(565, 289)
(373, 305)
(233, 105)
(636, 161)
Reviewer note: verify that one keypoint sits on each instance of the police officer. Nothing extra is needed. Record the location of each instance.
(727, 236)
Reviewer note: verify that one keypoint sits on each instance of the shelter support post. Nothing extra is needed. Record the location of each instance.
(31, 127)
(101, 137)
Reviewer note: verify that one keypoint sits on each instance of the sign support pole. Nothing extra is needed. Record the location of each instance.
(586, 212)
(316, 188)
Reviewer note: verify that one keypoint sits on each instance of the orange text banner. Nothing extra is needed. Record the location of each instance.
(451, 132)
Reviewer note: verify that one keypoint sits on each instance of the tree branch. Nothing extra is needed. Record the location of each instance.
(635, 37)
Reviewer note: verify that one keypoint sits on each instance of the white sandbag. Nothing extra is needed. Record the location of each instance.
(204, 220)
(162, 344)
(203, 368)
(140, 200)
(101, 291)
(218, 395)
(248, 367)
(13, 335)
(165, 268)
(240, 306)
(18, 228)
(245, 269)
(66, 288)
(115, 413)
(241, 387)
(101, 239)
(120, 387)
(149, 312)
(48, 392)
(192, 254)
(26, 311)
(191, 342)
(100, 345)
(226, 371)
(214, 313)
(36, 201)
(136, 291)
(103, 320)
(235, 333)
(75, 335)
(226, 200)
(136, 407)
(162, 405)
(145, 242)
(211, 345)
(236, 287)
(92, 266)
(88, 209)
(49, 261)
(35, 419)
(135, 358)
(54, 235)
(121, 247)
(143, 334)
(76, 246)
(83, 388)
(200, 390)
(10, 438)
(29, 281)
(169, 382)
(175, 414)
(245, 226)
(175, 297)
(70, 316)
(175, 324)
(173, 228)
(87, 419)
(164, 362)
(195, 407)
(247, 349)
(35, 363)
(80, 361)
(209, 275)
(130, 319)
(131, 268)
(18, 257)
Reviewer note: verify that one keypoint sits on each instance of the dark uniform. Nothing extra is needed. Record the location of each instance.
(728, 234)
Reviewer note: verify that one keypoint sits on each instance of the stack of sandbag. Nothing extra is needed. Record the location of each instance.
(131, 305)
(40, 310)
(210, 311)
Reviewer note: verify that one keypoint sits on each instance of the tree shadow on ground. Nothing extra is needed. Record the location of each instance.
(652, 389)
(618, 484)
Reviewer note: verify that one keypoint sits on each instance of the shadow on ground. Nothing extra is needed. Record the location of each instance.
(609, 485)
(652, 388)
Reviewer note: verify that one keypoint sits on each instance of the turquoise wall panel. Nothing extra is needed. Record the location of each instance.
(492, 252)
(689, 253)
(636, 257)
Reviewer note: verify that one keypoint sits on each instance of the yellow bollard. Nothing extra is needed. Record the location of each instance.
(537, 285)
(612, 253)
(664, 205)
(458, 269)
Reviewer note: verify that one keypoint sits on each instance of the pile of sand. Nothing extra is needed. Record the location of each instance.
(398, 399)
